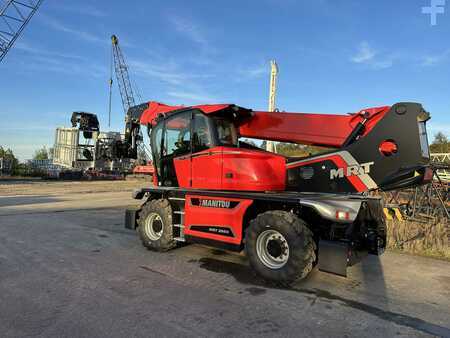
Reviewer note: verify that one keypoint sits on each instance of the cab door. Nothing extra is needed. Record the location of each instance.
(206, 159)
(171, 145)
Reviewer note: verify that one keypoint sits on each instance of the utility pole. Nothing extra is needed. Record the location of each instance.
(270, 145)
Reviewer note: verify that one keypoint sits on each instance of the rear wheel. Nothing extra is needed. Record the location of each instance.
(280, 247)
(155, 225)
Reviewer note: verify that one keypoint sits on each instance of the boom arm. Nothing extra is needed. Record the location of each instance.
(314, 129)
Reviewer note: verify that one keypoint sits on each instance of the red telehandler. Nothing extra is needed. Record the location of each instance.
(288, 214)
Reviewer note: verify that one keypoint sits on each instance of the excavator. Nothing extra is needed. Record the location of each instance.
(287, 214)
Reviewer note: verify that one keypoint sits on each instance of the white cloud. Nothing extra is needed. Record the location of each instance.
(182, 85)
(432, 60)
(382, 64)
(370, 57)
(48, 63)
(29, 48)
(45, 60)
(82, 9)
(82, 35)
(365, 53)
(188, 28)
(168, 72)
(252, 72)
(191, 97)
(257, 71)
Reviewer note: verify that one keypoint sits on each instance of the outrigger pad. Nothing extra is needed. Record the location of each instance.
(333, 257)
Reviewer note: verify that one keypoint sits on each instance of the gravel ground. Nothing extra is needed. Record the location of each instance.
(13, 187)
(68, 268)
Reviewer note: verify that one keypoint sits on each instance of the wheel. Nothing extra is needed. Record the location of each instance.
(280, 247)
(155, 225)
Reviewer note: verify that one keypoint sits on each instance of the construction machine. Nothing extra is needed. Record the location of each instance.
(288, 214)
(14, 17)
(136, 149)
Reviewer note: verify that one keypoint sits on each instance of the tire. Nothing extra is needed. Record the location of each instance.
(155, 225)
(280, 247)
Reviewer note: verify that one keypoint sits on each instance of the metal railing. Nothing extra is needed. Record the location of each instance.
(442, 162)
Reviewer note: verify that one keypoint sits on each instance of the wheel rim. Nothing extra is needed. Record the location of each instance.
(272, 249)
(154, 226)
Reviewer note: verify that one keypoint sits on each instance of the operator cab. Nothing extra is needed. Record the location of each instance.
(184, 134)
(196, 150)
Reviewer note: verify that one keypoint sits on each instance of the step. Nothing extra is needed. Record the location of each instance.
(179, 212)
(177, 199)
(179, 226)
(179, 239)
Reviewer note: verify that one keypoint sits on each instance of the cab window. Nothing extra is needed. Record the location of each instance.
(156, 138)
(201, 135)
(226, 132)
(177, 138)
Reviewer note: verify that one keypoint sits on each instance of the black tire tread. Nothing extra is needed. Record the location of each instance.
(300, 263)
(167, 241)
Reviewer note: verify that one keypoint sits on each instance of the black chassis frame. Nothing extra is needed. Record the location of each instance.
(340, 244)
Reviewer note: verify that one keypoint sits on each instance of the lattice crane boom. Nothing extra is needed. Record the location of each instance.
(122, 75)
(127, 95)
(14, 16)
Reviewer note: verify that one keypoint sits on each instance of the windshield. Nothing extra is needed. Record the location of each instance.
(226, 133)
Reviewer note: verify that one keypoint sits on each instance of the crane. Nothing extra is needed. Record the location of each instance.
(127, 94)
(270, 145)
(122, 75)
(14, 16)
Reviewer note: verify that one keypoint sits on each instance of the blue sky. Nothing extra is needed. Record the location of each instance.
(335, 56)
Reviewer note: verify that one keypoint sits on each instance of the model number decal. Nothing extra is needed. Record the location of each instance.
(352, 170)
(217, 230)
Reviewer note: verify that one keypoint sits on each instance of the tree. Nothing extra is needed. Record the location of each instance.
(440, 143)
(440, 138)
(249, 141)
(299, 150)
(9, 155)
(42, 154)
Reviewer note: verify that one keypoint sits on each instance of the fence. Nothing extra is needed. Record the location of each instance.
(444, 160)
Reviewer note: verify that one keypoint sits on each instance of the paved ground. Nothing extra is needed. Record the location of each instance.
(69, 268)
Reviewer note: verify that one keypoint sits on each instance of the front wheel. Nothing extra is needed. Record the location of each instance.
(155, 225)
(280, 247)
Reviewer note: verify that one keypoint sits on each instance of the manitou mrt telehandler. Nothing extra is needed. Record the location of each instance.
(287, 213)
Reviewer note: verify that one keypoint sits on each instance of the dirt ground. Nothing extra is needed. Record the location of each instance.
(12, 187)
(409, 237)
(69, 268)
